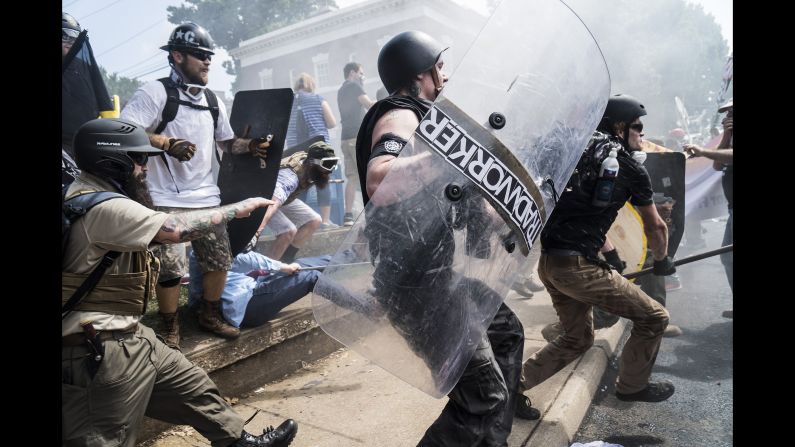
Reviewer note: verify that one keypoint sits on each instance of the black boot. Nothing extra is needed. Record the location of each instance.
(281, 436)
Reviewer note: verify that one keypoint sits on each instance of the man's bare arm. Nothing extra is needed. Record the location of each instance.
(655, 229)
(190, 225)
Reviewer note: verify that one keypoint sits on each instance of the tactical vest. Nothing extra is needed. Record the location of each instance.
(296, 164)
(120, 293)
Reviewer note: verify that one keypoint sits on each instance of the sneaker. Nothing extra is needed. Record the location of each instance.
(534, 283)
(603, 319)
(728, 314)
(524, 409)
(347, 220)
(672, 283)
(520, 288)
(328, 226)
(672, 331)
(654, 392)
(280, 436)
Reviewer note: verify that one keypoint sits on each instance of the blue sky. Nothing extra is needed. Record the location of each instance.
(126, 34)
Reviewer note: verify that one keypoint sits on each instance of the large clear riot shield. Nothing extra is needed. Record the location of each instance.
(424, 269)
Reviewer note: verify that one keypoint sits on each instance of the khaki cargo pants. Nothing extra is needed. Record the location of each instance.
(575, 284)
(138, 376)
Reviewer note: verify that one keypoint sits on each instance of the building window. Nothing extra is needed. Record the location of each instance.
(266, 78)
(321, 69)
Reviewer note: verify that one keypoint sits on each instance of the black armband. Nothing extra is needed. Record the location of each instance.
(388, 144)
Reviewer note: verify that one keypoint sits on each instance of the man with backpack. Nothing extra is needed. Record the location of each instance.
(114, 369)
(184, 119)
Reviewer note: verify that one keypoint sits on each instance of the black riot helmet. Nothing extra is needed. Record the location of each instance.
(405, 56)
(189, 37)
(620, 109)
(106, 148)
(70, 29)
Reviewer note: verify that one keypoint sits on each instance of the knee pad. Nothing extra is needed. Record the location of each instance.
(169, 283)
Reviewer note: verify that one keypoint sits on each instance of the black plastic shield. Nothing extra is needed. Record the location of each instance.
(255, 114)
(667, 172)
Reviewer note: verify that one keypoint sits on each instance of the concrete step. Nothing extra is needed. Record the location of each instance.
(269, 352)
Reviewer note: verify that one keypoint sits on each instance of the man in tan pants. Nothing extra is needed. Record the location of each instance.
(577, 279)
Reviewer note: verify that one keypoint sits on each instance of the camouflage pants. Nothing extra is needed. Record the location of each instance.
(212, 251)
(575, 284)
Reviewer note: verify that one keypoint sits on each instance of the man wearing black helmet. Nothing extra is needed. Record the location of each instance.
(480, 409)
(183, 180)
(114, 369)
(577, 279)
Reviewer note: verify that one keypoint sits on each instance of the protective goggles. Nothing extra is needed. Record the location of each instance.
(200, 56)
(69, 35)
(328, 164)
(139, 158)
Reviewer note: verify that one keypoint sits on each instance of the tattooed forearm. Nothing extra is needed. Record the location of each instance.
(240, 146)
(190, 225)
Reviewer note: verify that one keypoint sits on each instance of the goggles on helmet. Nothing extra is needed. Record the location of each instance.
(69, 35)
(328, 164)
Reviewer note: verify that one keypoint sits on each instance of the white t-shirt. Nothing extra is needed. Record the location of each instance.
(194, 178)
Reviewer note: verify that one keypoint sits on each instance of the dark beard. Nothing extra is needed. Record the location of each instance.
(319, 178)
(138, 190)
(190, 79)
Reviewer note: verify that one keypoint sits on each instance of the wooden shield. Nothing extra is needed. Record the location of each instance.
(628, 237)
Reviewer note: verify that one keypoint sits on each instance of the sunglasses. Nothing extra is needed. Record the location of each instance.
(200, 56)
(69, 35)
(328, 164)
(637, 127)
(139, 158)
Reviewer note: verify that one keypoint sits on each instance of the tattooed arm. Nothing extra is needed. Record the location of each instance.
(190, 225)
(257, 146)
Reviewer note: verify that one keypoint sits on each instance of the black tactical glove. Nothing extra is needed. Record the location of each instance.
(182, 150)
(614, 260)
(259, 146)
(664, 267)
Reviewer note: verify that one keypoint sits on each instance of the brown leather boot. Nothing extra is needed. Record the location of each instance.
(211, 319)
(169, 329)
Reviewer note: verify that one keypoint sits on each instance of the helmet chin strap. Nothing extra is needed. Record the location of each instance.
(179, 79)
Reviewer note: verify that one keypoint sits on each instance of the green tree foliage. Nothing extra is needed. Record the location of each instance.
(233, 21)
(656, 50)
(119, 85)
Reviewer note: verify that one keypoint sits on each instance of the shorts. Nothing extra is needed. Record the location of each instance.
(212, 251)
(291, 216)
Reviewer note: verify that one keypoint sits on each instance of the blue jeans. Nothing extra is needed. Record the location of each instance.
(728, 258)
(275, 292)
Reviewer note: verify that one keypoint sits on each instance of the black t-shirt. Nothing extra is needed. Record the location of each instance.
(576, 224)
(351, 111)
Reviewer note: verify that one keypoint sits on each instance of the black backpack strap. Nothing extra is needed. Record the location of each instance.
(173, 102)
(75, 208)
